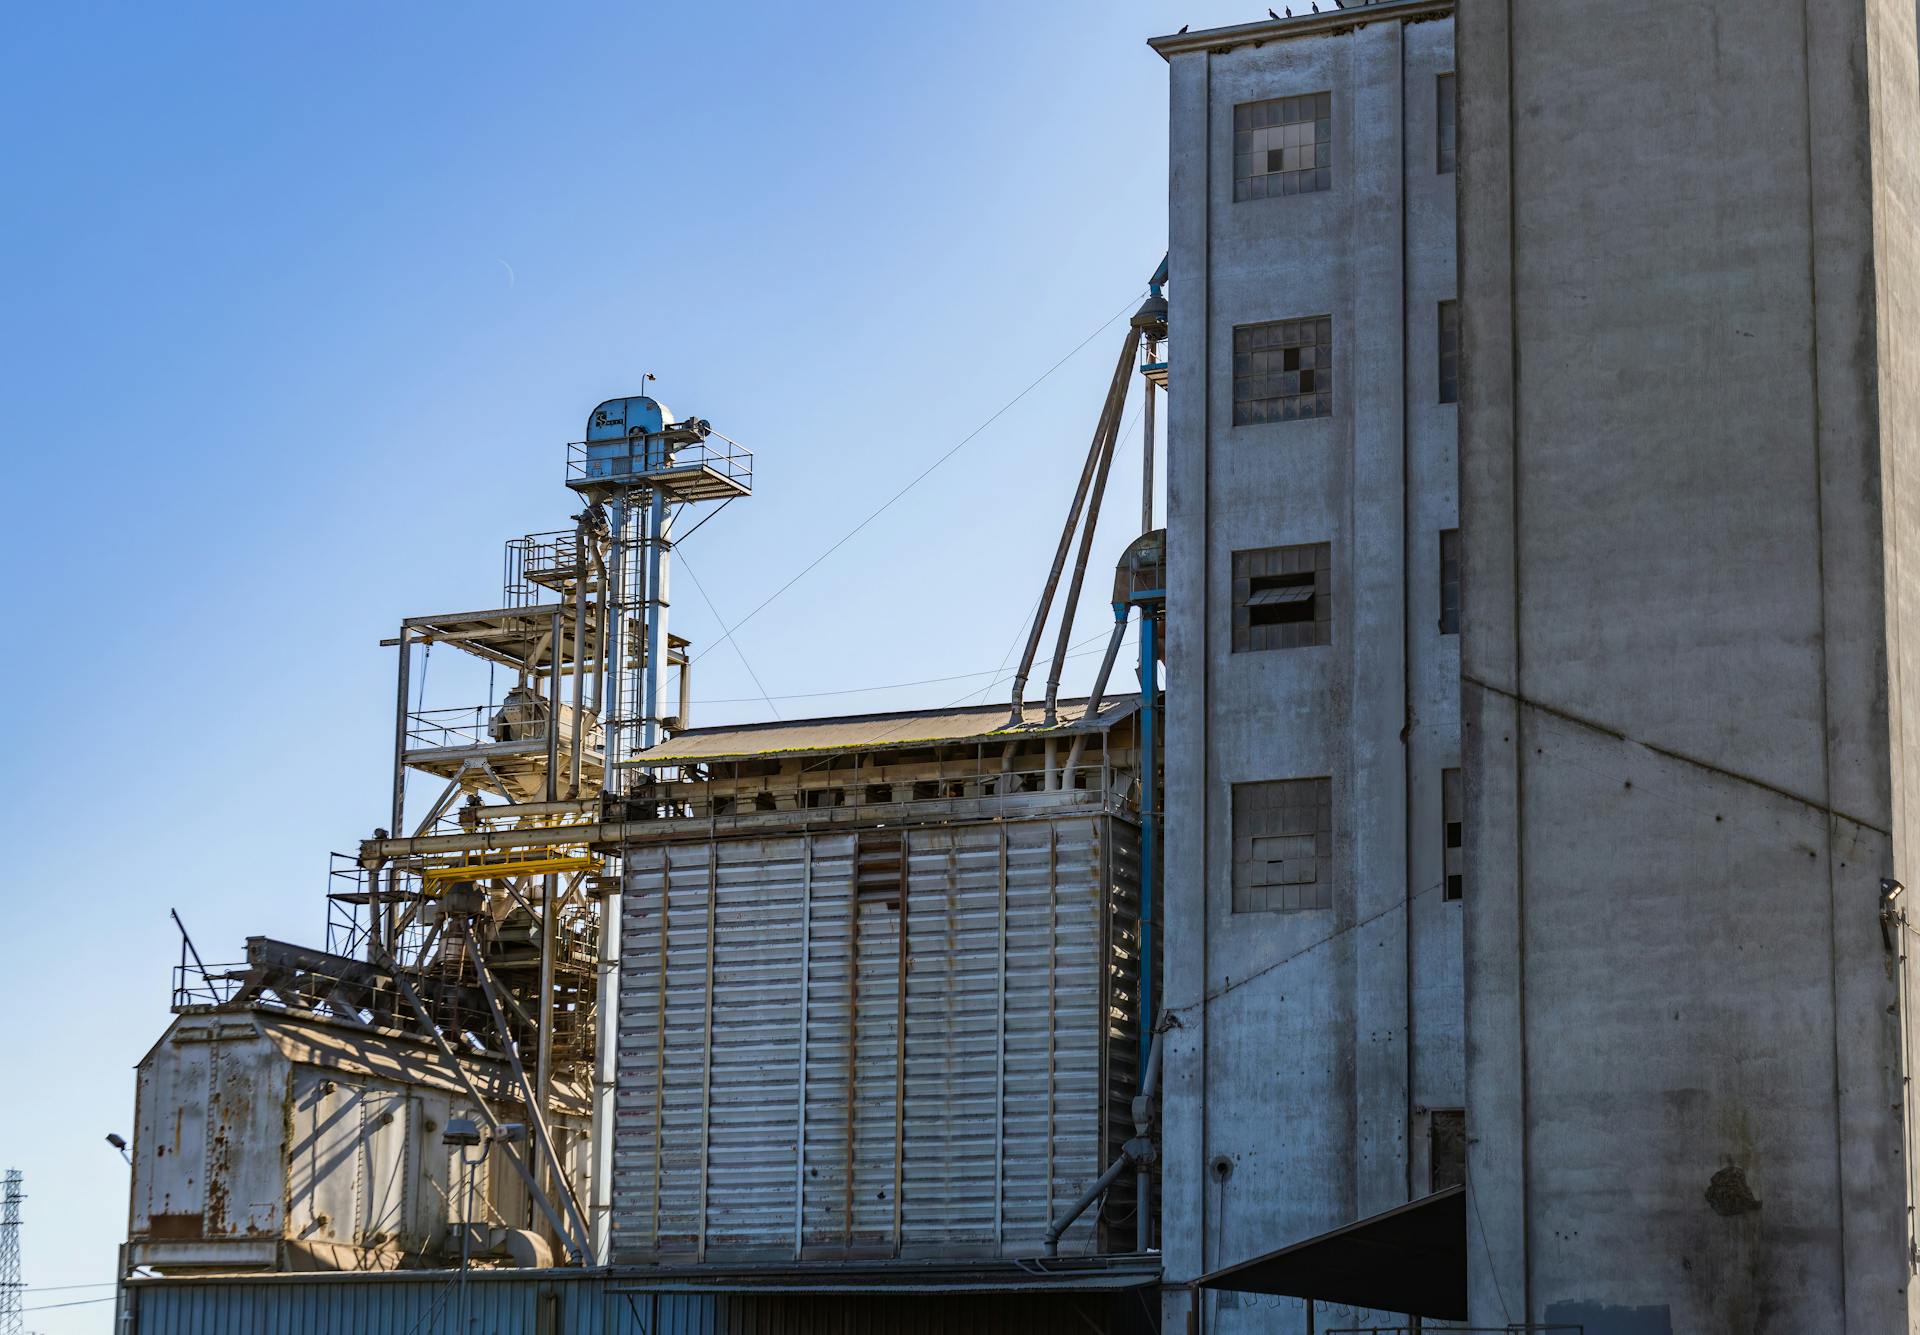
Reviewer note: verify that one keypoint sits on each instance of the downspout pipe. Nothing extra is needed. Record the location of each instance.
(1087, 528)
(1139, 1153)
(1143, 1125)
(1117, 390)
(1149, 797)
(1093, 1193)
(1116, 404)
(1099, 692)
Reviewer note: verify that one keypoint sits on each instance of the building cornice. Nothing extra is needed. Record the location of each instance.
(1356, 15)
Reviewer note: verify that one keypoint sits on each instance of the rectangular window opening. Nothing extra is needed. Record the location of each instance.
(1283, 846)
(1282, 597)
(1283, 146)
(1453, 820)
(1450, 581)
(1449, 369)
(1446, 122)
(1283, 370)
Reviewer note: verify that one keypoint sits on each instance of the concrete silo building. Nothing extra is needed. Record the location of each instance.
(1661, 778)
(1316, 1073)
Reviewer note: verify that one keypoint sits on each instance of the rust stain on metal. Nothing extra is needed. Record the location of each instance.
(175, 1227)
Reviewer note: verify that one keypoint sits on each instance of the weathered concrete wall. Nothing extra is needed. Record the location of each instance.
(1689, 286)
(1311, 1042)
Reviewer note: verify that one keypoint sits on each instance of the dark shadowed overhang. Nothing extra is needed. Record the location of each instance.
(1410, 1259)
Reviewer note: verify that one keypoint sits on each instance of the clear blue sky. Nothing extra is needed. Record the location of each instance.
(307, 301)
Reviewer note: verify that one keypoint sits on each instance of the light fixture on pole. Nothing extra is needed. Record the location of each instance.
(463, 1134)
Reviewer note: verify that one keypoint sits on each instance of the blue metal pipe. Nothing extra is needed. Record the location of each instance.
(1149, 818)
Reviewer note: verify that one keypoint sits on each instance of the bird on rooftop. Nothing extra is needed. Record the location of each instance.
(1184, 27)
(1272, 15)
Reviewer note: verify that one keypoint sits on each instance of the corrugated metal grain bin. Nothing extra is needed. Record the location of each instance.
(787, 1091)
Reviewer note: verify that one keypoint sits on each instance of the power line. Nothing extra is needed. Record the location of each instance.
(77, 1302)
(67, 1288)
(963, 698)
(894, 685)
(1235, 984)
(737, 649)
(1021, 630)
(919, 478)
(1018, 633)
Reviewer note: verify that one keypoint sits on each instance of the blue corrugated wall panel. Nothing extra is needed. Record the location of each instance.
(497, 1304)
(562, 1302)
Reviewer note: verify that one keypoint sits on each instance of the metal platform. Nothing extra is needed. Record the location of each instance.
(468, 744)
(517, 637)
(713, 469)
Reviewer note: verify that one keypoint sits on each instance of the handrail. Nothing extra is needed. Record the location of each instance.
(587, 460)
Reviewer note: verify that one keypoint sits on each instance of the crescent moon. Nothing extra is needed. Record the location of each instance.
(509, 268)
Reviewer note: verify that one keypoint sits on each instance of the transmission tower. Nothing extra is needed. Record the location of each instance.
(11, 1284)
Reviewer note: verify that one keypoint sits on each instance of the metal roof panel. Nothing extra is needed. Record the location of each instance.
(873, 732)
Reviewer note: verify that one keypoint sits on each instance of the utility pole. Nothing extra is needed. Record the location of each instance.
(11, 1285)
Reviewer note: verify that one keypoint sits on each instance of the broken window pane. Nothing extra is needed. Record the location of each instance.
(1283, 146)
(1282, 371)
(1283, 845)
(1453, 824)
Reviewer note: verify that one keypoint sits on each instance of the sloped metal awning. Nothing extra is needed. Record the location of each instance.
(877, 732)
(1410, 1259)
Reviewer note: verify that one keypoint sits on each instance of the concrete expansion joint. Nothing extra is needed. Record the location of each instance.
(1605, 730)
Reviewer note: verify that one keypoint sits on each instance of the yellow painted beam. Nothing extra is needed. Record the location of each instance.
(487, 871)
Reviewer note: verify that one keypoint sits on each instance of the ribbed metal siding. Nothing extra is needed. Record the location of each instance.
(497, 1304)
(555, 1303)
(1121, 1019)
(1018, 1042)
(822, 1173)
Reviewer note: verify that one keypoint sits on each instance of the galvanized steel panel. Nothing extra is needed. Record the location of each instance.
(323, 1160)
(823, 1223)
(962, 1130)
(171, 1140)
(245, 1155)
(751, 1126)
